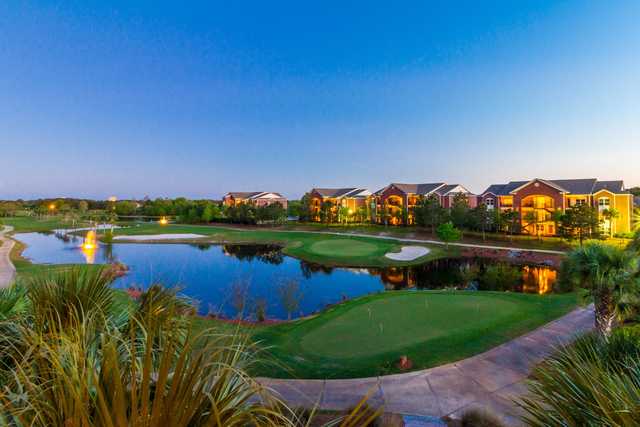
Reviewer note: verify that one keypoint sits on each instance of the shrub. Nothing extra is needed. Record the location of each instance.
(480, 418)
(592, 382)
(500, 277)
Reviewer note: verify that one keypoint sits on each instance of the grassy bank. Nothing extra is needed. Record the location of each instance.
(26, 224)
(313, 247)
(365, 337)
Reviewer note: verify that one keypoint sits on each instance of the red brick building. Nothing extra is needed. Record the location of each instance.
(395, 203)
(536, 201)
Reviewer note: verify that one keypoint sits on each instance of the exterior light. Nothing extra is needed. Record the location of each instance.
(52, 206)
(163, 221)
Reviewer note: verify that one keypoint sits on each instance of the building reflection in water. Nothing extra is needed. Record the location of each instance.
(463, 273)
(538, 279)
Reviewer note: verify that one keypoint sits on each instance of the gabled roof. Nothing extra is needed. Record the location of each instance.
(551, 184)
(421, 189)
(242, 194)
(616, 187)
(503, 189)
(252, 194)
(342, 192)
(449, 188)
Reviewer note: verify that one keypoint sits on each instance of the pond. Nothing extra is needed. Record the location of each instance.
(226, 279)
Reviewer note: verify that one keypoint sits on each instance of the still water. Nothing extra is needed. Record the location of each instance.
(226, 279)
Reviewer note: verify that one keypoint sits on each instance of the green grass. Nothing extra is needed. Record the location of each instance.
(324, 249)
(365, 337)
(26, 224)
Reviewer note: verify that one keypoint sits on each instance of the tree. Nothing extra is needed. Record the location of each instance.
(635, 191)
(304, 211)
(326, 212)
(448, 233)
(459, 210)
(610, 215)
(607, 273)
(343, 214)
(579, 221)
(207, 213)
(290, 296)
(83, 206)
(125, 208)
(481, 219)
(512, 222)
(429, 213)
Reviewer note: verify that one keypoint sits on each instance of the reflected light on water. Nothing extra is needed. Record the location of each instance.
(539, 279)
(89, 247)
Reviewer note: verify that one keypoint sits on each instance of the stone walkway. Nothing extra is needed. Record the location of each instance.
(7, 270)
(490, 380)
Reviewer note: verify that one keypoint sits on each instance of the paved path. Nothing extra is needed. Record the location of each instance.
(7, 270)
(489, 380)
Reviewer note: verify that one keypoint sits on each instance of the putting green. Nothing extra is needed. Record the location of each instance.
(343, 247)
(391, 324)
(365, 337)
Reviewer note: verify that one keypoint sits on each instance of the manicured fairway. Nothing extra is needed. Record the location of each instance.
(366, 337)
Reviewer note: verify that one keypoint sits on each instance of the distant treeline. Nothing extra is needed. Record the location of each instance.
(180, 209)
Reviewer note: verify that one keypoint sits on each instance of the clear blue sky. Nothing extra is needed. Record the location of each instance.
(197, 98)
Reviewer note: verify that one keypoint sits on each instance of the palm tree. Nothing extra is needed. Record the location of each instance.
(610, 215)
(607, 273)
(74, 352)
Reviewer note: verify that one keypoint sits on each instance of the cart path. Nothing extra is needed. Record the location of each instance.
(7, 269)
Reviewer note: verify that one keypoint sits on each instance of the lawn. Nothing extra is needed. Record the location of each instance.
(330, 250)
(365, 337)
(26, 224)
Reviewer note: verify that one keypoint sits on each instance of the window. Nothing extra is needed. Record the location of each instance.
(490, 203)
(579, 202)
(603, 203)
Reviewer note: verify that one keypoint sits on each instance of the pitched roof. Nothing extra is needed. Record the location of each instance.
(251, 194)
(446, 189)
(576, 186)
(242, 194)
(342, 192)
(422, 189)
(613, 186)
(504, 189)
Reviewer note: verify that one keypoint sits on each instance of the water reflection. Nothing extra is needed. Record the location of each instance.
(207, 273)
(270, 254)
(457, 273)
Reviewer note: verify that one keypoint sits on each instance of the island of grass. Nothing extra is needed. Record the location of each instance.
(326, 249)
(366, 337)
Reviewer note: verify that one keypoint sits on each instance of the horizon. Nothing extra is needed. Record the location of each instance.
(152, 99)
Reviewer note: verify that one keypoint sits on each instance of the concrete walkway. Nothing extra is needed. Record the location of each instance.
(7, 270)
(490, 380)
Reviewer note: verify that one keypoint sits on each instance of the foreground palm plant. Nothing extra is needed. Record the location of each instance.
(608, 274)
(75, 353)
(590, 383)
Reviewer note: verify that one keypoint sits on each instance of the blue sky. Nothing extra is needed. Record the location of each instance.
(199, 98)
